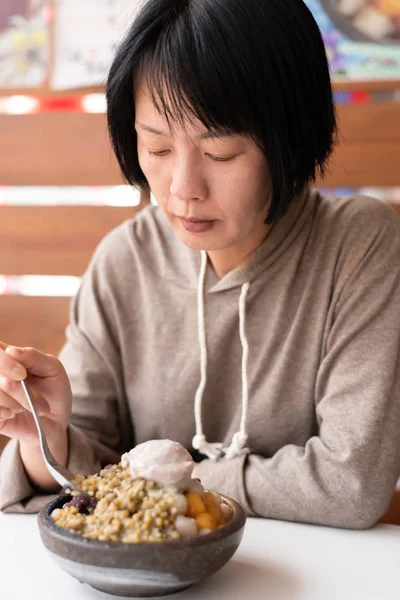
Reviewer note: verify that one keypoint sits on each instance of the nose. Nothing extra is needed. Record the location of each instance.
(188, 181)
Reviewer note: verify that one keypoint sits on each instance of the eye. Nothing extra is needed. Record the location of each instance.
(160, 153)
(222, 158)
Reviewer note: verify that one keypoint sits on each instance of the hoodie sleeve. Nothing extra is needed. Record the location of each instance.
(100, 425)
(344, 476)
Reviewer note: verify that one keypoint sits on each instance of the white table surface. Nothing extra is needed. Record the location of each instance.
(275, 561)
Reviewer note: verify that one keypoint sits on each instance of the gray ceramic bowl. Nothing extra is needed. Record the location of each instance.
(146, 568)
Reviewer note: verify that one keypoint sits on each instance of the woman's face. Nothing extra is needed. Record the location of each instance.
(210, 187)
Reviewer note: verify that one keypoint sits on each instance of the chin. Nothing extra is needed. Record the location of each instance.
(204, 241)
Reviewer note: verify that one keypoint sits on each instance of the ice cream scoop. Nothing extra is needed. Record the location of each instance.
(164, 461)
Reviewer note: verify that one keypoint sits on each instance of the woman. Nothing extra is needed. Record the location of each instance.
(246, 316)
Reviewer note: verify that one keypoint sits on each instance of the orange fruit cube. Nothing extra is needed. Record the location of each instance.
(212, 506)
(195, 505)
(205, 521)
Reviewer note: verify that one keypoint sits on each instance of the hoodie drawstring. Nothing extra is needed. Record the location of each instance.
(199, 442)
(238, 446)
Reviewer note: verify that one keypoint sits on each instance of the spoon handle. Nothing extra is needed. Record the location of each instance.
(58, 472)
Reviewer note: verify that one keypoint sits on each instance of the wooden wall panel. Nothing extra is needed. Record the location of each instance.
(375, 121)
(56, 149)
(34, 321)
(54, 240)
(364, 163)
(368, 149)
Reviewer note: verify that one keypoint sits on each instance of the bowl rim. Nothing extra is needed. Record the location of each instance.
(236, 523)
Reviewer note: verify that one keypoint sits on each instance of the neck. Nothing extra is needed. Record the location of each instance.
(224, 261)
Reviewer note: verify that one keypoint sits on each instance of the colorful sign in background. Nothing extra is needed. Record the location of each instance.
(362, 37)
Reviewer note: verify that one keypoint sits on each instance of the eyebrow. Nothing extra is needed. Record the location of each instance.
(204, 136)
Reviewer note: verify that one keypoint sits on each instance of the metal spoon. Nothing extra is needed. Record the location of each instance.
(61, 474)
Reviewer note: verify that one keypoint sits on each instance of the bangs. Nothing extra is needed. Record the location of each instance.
(189, 78)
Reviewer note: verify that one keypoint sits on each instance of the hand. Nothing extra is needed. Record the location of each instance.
(50, 386)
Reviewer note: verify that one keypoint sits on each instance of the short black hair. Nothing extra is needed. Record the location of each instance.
(239, 66)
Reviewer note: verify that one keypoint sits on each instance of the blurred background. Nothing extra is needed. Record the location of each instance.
(60, 188)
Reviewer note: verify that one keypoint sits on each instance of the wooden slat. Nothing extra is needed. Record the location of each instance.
(45, 91)
(54, 240)
(56, 149)
(396, 207)
(360, 164)
(368, 86)
(34, 321)
(375, 121)
(368, 149)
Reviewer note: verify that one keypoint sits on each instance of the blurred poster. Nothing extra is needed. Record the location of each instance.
(362, 37)
(85, 37)
(24, 43)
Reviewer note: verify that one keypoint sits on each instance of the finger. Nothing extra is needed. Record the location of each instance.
(8, 405)
(13, 393)
(36, 362)
(10, 367)
(22, 427)
(6, 414)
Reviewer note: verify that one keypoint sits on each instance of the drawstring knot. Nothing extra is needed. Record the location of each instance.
(238, 446)
(211, 449)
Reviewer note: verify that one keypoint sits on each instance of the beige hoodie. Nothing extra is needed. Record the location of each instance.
(318, 400)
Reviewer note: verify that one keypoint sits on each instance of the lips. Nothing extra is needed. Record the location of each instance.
(194, 219)
(196, 225)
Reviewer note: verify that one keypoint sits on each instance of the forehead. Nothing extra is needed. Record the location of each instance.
(149, 116)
